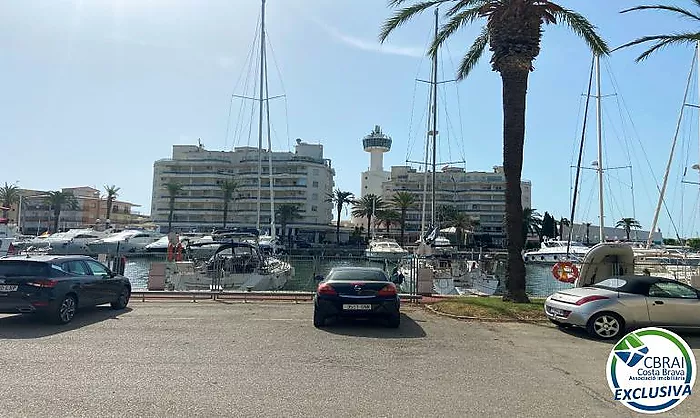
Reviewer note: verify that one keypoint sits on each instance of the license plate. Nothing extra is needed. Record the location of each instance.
(8, 288)
(364, 307)
(555, 311)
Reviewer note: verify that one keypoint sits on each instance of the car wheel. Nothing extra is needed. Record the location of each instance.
(65, 311)
(394, 321)
(319, 319)
(605, 325)
(122, 300)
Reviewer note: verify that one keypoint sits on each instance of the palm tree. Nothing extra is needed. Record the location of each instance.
(388, 217)
(366, 207)
(228, 187)
(402, 201)
(174, 189)
(532, 223)
(513, 32)
(112, 193)
(562, 223)
(627, 224)
(340, 199)
(445, 214)
(58, 200)
(286, 213)
(661, 41)
(461, 222)
(9, 195)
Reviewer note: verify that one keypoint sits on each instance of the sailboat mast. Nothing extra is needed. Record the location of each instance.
(599, 123)
(260, 120)
(269, 137)
(434, 131)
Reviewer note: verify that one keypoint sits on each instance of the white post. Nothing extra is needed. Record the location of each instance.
(599, 121)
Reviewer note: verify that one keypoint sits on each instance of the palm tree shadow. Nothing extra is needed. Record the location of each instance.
(32, 326)
(374, 328)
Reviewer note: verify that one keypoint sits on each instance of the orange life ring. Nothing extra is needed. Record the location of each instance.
(565, 271)
(178, 255)
(170, 252)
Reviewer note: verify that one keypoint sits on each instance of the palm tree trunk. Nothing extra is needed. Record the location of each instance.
(170, 214)
(627, 231)
(225, 212)
(369, 222)
(403, 224)
(56, 216)
(514, 99)
(109, 208)
(337, 226)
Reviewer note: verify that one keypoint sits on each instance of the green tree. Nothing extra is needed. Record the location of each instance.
(562, 223)
(402, 201)
(174, 189)
(57, 201)
(388, 217)
(287, 213)
(228, 188)
(548, 226)
(627, 224)
(9, 195)
(112, 193)
(670, 241)
(339, 198)
(366, 207)
(588, 233)
(445, 214)
(532, 223)
(513, 33)
(461, 222)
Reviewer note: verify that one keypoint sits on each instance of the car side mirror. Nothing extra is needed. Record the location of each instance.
(318, 278)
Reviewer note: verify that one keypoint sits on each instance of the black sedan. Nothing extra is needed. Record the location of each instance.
(357, 292)
(56, 286)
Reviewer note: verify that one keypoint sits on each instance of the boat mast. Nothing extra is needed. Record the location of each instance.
(260, 120)
(599, 123)
(269, 137)
(434, 131)
(662, 192)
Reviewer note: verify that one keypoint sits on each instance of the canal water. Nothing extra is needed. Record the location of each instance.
(540, 281)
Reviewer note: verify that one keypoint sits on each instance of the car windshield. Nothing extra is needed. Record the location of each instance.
(612, 284)
(353, 275)
(22, 269)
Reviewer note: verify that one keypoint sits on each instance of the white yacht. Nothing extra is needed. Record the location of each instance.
(553, 251)
(72, 242)
(384, 249)
(128, 241)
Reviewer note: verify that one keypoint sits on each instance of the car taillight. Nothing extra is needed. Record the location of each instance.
(590, 299)
(326, 289)
(388, 290)
(43, 283)
(11, 250)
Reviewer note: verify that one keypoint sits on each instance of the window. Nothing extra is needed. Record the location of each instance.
(671, 290)
(75, 267)
(314, 208)
(315, 184)
(97, 268)
(315, 171)
(314, 196)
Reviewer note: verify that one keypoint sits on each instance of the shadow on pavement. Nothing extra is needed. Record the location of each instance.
(690, 336)
(33, 326)
(374, 328)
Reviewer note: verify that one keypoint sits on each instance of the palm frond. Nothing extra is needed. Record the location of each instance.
(473, 55)
(457, 21)
(662, 42)
(583, 28)
(461, 4)
(675, 9)
(404, 15)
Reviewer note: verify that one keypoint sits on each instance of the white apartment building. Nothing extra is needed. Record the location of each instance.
(303, 178)
(479, 194)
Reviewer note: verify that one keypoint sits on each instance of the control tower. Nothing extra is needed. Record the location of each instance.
(376, 143)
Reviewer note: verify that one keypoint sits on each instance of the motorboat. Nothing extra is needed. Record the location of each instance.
(129, 241)
(234, 266)
(384, 249)
(552, 251)
(72, 242)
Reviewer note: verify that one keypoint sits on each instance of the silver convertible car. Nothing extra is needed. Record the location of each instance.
(607, 308)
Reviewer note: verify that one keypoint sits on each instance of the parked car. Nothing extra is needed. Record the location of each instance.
(356, 292)
(56, 286)
(607, 308)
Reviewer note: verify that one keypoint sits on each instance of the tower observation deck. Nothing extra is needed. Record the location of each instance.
(376, 143)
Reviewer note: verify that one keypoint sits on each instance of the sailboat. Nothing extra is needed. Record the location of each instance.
(248, 264)
(431, 269)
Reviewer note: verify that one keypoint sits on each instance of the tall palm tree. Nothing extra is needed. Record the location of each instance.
(9, 195)
(461, 222)
(562, 223)
(532, 223)
(59, 200)
(402, 201)
(339, 198)
(513, 32)
(174, 189)
(366, 207)
(228, 187)
(285, 214)
(112, 193)
(627, 224)
(388, 217)
(445, 214)
(661, 41)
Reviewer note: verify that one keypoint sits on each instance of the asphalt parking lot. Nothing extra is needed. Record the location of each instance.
(266, 359)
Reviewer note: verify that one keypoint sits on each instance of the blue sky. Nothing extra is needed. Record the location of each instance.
(94, 92)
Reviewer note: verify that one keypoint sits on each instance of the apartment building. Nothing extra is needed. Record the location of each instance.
(303, 178)
(479, 194)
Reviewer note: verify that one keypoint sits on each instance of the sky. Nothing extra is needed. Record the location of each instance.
(93, 92)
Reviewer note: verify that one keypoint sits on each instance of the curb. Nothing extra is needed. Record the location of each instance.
(477, 318)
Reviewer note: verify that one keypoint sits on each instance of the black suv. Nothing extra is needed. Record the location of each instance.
(56, 286)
